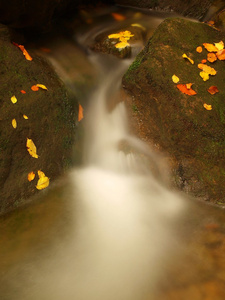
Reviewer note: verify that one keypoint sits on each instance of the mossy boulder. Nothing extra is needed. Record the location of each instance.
(51, 123)
(178, 123)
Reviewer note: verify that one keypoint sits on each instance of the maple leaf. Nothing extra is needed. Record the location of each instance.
(213, 90)
(14, 123)
(210, 47)
(199, 49)
(207, 69)
(31, 148)
(25, 53)
(43, 181)
(13, 99)
(186, 89)
(211, 57)
(80, 113)
(207, 106)
(221, 54)
(31, 176)
(191, 60)
(175, 79)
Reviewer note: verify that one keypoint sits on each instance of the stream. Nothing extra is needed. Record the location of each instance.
(112, 229)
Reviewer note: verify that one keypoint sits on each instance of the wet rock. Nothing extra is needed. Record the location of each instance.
(195, 9)
(104, 44)
(175, 122)
(51, 123)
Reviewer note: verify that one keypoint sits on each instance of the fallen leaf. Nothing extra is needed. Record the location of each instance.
(25, 117)
(175, 79)
(122, 44)
(118, 17)
(188, 85)
(14, 123)
(211, 22)
(219, 45)
(31, 176)
(114, 36)
(204, 75)
(13, 99)
(43, 181)
(207, 106)
(203, 61)
(191, 60)
(35, 88)
(213, 90)
(183, 88)
(80, 113)
(23, 92)
(207, 69)
(42, 86)
(221, 54)
(138, 25)
(31, 148)
(211, 57)
(199, 49)
(123, 37)
(25, 53)
(210, 47)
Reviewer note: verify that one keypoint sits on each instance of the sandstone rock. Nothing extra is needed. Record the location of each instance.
(176, 122)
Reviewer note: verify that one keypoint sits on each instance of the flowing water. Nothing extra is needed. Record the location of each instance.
(112, 229)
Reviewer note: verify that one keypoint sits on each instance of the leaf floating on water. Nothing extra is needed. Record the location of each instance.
(188, 58)
(23, 92)
(25, 117)
(207, 69)
(219, 45)
(14, 123)
(207, 106)
(31, 148)
(31, 176)
(186, 89)
(80, 113)
(42, 86)
(175, 79)
(25, 53)
(118, 17)
(210, 47)
(199, 49)
(221, 54)
(35, 88)
(43, 181)
(13, 99)
(213, 90)
(211, 57)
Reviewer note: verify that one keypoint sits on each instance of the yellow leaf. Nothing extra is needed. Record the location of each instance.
(25, 117)
(80, 113)
(43, 181)
(207, 106)
(138, 25)
(210, 47)
(31, 148)
(14, 123)
(175, 79)
(31, 176)
(207, 69)
(114, 36)
(219, 45)
(211, 57)
(122, 44)
(191, 60)
(42, 86)
(199, 49)
(123, 36)
(13, 99)
(204, 75)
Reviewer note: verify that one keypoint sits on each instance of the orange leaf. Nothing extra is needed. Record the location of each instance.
(213, 90)
(118, 17)
(221, 54)
(210, 47)
(31, 176)
(211, 57)
(80, 113)
(34, 88)
(184, 89)
(199, 49)
(207, 106)
(207, 69)
(203, 61)
(23, 92)
(25, 53)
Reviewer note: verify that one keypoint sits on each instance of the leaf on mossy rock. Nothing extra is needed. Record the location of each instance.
(199, 49)
(13, 99)
(31, 176)
(207, 69)
(211, 57)
(25, 53)
(186, 89)
(221, 54)
(31, 148)
(175, 79)
(80, 113)
(210, 47)
(43, 181)
(188, 58)
(213, 90)
(207, 106)
(14, 123)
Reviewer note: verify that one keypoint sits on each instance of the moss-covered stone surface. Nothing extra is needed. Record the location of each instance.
(51, 123)
(178, 123)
